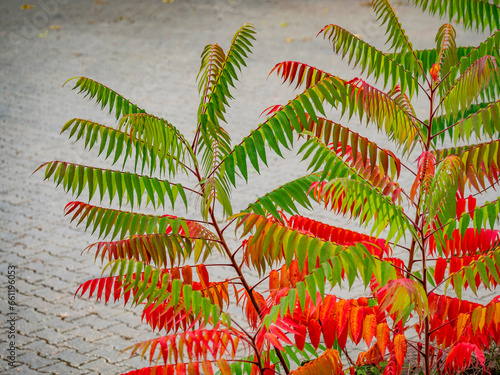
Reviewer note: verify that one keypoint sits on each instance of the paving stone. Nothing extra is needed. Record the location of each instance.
(111, 354)
(122, 330)
(31, 316)
(26, 287)
(89, 333)
(80, 345)
(34, 360)
(39, 303)
(23, 340)
(58, 285)
(136, 362)
(42, 347)
(30, 276)
(9, 238)
(24, 328)
(61, 368)
(72, 357)
(21, 370)
(100, 365)
(69, 277)
(51, 335)
(13, 258)
(38, 267)
(63, 325)
(95, 321)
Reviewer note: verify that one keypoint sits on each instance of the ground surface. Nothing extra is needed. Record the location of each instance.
(148, 51)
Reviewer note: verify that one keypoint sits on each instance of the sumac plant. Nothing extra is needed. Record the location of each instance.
(419, 247)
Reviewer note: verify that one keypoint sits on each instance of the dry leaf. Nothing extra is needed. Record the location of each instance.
(289, 40)
(27, 6)
(55, 27)
(284, 24)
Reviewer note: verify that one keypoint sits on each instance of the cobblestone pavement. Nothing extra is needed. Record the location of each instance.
(148, 51)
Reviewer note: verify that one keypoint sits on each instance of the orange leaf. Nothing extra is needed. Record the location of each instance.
(369, 328)
(371, 357)
(294, 273)
(203, 275)
(187, 274)
(462, 322)
(251, 313)
(193, 369)
(284, 277)
(224, 367)
(356, 323)
(383, 337)
(435, 72)
(207, 367)
(400, 348)
(327, 363)
(496, 318)
(274, 280)
(341, 315)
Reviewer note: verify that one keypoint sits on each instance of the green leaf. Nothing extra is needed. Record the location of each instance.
(373, 62)
(474, 14)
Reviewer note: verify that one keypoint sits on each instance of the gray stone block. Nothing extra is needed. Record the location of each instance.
(72, 357)
(35, 360)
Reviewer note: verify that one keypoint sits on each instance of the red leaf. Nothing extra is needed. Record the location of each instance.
(342, 338)
(275, 342)
(471, 205)
(426, 168)
(329, 327)
(314, 329)
(300, 341)
(279, 334)
(441, 265)
(392, 367)
(271, 110)
(337, 235)
(460, 207)
(460, 357)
